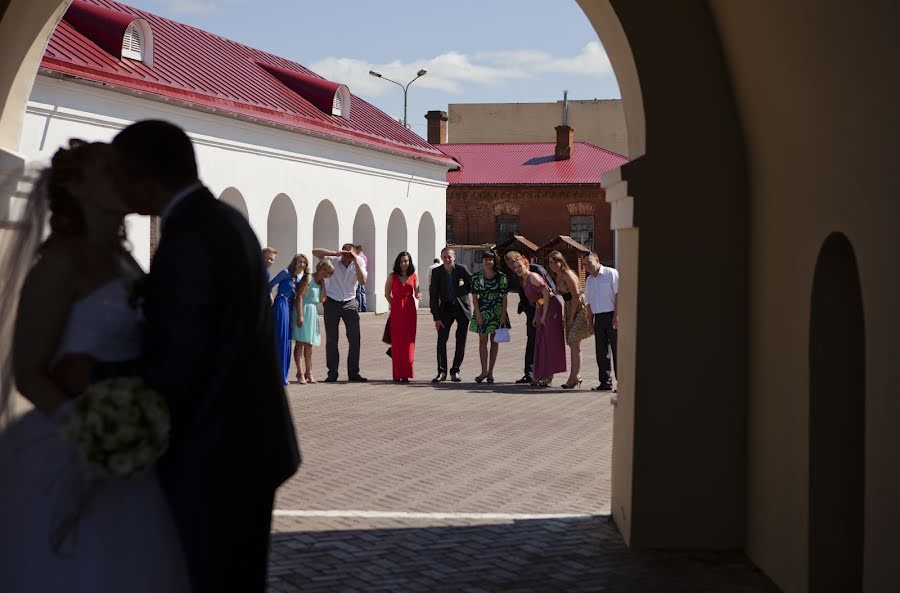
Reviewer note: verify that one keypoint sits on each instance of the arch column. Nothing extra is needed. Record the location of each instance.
(683, 368)
(426, 251)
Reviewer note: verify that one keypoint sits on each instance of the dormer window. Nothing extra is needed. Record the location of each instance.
(331, 98)
(120, 34)
(131, 43)
(340, 106)
(137, 43)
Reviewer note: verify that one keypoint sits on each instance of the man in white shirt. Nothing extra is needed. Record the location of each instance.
(341, 304)
(601, 294)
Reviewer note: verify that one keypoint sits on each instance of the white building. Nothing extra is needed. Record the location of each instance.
(308, 163)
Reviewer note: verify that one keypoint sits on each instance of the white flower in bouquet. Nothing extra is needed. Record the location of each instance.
(119, 427)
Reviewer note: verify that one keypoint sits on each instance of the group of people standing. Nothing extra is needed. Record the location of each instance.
(550, 325)
(559, 311)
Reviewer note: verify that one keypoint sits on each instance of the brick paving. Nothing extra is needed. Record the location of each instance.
(465, 450)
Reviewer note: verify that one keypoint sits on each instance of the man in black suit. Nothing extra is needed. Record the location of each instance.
(209, 349)
(527, 307)
(449, 291)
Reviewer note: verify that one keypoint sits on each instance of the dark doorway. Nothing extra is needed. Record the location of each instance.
(836, 422)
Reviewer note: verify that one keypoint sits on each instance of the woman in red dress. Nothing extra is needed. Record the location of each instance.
(402, 293)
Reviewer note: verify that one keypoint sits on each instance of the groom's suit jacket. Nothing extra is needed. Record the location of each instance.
(210, 350)
(461, 285)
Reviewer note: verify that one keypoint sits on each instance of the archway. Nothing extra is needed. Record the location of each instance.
(281, 230)
(396, 236)
(235, 199)
(326, 228)
(837, 418)
(364, 235)
(427, 253)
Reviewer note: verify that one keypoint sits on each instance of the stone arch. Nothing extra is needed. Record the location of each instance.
(234, 198)
(396, 236)
(580, 209)
(837, 421)
(427, 247)
(364, 235)
(506, 208)
(281, 230)
(326, 228)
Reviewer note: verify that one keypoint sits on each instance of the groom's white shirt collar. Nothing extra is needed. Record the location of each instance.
(176, 199)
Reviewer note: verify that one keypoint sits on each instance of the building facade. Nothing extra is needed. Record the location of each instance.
(302, 177)
(600, 122)
(539, 190)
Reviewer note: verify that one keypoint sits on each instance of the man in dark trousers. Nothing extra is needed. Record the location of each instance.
(209, 349)
(528, 308)
(449, 291)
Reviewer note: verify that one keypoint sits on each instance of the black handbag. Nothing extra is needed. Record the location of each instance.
(386, 337)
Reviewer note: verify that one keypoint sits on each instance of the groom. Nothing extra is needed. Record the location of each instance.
(209, 350)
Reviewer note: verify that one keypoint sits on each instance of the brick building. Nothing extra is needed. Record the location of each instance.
(539, 190)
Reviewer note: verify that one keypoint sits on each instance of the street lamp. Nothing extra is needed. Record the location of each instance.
(419, 75)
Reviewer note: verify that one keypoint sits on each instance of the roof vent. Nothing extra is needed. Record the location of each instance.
(330, 97)
(120, 34)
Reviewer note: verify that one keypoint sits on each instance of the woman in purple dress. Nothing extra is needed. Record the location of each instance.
(286, 281)
(550, 343)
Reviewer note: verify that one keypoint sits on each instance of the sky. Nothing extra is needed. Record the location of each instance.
(475, 51)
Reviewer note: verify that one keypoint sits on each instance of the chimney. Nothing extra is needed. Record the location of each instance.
(437, 127)
(564, 133)
(565, 136)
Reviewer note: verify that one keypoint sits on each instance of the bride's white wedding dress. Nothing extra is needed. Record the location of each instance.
(124, 539)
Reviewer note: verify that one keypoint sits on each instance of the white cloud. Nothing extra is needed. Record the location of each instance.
(452, 71)
(192, 6)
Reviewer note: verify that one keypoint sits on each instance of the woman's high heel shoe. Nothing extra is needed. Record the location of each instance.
(490, 378)
(574, 385)
(480, 378)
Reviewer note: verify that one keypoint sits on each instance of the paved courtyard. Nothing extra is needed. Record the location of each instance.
(462, 487)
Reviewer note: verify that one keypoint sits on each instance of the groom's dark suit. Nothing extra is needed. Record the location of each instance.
(210, 350)
(449, 302)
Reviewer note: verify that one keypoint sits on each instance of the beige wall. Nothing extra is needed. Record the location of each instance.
(600, 122)
(818, 91)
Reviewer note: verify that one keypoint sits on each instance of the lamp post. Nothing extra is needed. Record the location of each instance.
(405, 88)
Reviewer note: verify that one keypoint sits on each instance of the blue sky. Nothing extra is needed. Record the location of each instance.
(475, 51)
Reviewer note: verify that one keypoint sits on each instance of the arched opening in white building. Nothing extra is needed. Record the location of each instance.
(364, 236)
(428, 250)
(396, 236)
(326, 230)
(281, 230)
(235, 199)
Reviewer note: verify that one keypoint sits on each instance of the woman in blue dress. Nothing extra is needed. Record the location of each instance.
(305, 317)
(286, 281)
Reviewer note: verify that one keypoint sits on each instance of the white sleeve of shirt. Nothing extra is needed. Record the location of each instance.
(590, 292)
(615, 281)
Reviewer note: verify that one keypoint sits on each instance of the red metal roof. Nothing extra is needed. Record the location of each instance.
(201, 69)
(528, 163)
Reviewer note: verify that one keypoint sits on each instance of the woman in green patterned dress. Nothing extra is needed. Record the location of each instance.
(489, 288)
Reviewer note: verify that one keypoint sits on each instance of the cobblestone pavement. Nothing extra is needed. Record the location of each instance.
(462, 487)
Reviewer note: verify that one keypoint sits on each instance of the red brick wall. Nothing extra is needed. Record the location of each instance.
(543, 212)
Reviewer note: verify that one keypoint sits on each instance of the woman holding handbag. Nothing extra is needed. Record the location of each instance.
(489, 289)
(577, 323)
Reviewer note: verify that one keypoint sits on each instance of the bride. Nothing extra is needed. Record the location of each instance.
(60, 532)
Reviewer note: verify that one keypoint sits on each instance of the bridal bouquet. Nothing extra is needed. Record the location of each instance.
(119, 427)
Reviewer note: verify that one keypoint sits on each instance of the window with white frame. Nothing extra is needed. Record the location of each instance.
(340, 104)
(137, 42)
(133, 43)
(581, 228)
